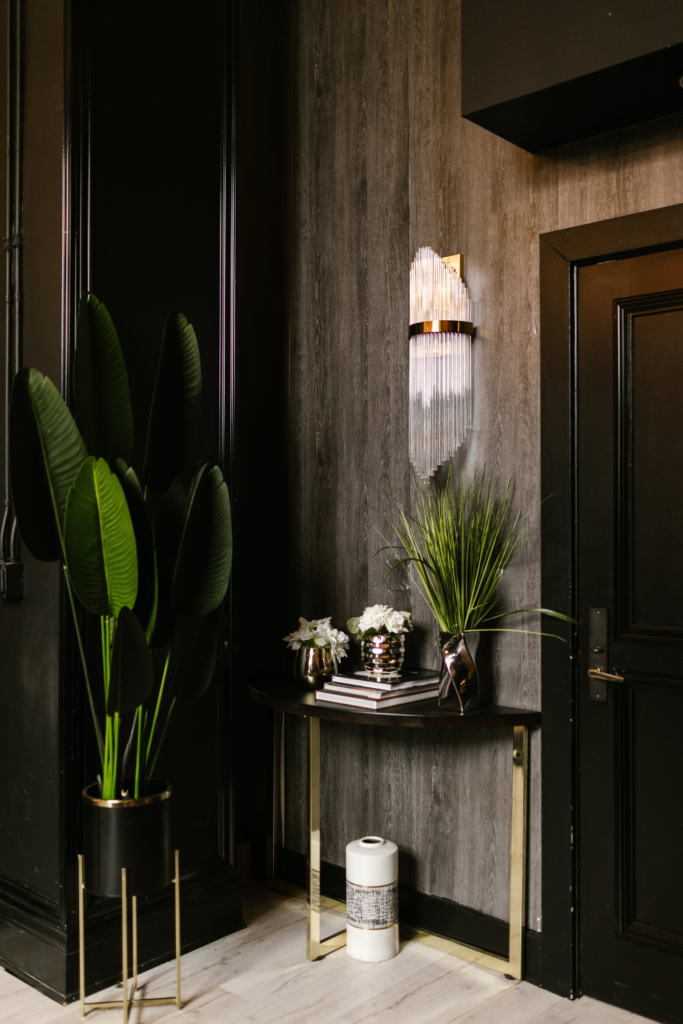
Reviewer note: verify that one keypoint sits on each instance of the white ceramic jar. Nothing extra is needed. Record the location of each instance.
(372, 899)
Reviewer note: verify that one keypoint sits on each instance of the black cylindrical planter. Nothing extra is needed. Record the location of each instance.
(130, 834)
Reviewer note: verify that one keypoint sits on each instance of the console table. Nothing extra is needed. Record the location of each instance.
(284, 696)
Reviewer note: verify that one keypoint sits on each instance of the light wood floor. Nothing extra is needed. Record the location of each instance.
(261, 974)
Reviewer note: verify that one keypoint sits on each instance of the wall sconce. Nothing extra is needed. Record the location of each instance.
(440, 360)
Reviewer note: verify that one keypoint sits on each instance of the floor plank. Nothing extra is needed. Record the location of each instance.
(261, 976)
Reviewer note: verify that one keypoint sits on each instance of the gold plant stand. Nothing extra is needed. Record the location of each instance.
(128, 1001)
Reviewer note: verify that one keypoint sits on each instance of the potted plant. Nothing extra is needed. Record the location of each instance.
(459, 542)
(151, 560)
(319, 649)
(381, 632)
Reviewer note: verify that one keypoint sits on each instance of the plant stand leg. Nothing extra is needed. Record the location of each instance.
(128, 1001)
(124, 943)
(81, 935)
(134, 901)
(176, 880)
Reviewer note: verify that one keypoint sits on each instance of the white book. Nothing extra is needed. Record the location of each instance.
(399, 681)
(376, 704)
(361, 690)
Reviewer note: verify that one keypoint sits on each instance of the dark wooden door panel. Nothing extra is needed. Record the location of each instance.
(649, 842)
(650, 454)
(630, 562)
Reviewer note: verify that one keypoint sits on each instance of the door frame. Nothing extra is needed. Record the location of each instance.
(561, 253)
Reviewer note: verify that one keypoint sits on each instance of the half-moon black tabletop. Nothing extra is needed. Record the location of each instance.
(282, 693)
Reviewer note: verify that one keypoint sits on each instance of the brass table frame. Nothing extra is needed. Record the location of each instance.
(128, 1001)
(316, 946)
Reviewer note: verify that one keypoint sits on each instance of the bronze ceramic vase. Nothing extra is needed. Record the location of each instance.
(458, 682)
(383, 653)
(313, 666)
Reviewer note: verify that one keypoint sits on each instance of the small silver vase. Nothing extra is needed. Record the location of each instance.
(313, 666)
(458, 682)
(382, 654)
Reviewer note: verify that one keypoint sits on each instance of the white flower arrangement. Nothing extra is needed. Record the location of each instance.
(380, 619)
(319, 633)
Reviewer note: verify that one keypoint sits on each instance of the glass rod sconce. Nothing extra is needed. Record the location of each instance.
(440, 360)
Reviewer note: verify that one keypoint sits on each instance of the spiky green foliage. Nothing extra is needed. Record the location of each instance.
(459, 541)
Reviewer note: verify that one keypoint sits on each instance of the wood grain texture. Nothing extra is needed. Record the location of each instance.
(382, 163)
(261, 974)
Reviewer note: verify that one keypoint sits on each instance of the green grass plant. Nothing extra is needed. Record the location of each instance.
(459, 540)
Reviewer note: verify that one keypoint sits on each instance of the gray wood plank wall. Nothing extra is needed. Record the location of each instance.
(381, 164)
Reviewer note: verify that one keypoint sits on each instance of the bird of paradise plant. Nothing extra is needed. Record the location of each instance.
(154, 581)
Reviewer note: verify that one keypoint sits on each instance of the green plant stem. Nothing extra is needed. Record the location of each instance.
(98, 731)
(105, 656)
(117, 724)
(137, 760)
(108, 745)
(161, 740)
(156, 710)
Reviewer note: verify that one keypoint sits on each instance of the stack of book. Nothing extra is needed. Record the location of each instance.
(363, 690)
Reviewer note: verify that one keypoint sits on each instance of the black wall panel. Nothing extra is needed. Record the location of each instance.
(155, 178)
(126, 191)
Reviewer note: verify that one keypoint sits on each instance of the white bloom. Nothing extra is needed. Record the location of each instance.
(380, 618)
(305, 632)
(333, 639)
(396, 621)
(373, 618)
(320, 633)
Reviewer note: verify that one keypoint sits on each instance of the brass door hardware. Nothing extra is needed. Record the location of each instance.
(595, 673)
(598, 676)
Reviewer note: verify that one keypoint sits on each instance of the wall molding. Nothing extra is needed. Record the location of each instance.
(40, 950)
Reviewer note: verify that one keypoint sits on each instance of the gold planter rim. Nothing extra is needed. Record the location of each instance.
(141, 801)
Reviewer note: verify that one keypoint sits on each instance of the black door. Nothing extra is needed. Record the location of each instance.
(630, 576)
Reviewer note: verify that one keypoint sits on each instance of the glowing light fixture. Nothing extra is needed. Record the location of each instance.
(440, 360)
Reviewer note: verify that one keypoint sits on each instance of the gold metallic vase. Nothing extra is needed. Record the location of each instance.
(382, 654)
(313, 666)
(458, 682)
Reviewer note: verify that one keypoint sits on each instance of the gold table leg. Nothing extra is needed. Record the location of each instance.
(128, 1001)
(520, 758)
(315, 946)
(512, 966)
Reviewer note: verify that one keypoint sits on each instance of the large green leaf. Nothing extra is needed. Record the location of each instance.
(202, 571)
(144, 540)
(101, 395)
(132, 673)
(193, 655)
(46, 453)
(176, 406)
(100, 541)
(168, 533)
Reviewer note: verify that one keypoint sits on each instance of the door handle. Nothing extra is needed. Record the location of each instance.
(598, 639)
(597, 673)
(598, 688)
